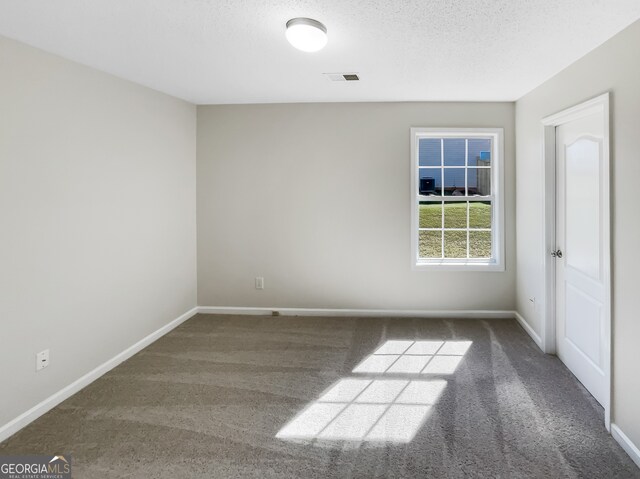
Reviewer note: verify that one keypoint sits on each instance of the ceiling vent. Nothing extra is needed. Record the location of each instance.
(342, 76)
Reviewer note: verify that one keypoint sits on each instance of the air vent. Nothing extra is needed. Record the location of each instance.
(342, 76)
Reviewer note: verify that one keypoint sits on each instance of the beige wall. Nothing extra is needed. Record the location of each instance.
(615, 67)
(315, 198)
(97, 219)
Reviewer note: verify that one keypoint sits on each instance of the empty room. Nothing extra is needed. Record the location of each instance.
(319, 239)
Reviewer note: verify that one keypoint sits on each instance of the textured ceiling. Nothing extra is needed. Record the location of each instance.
(235, 51)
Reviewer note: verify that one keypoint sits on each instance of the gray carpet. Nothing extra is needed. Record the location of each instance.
(263, 397)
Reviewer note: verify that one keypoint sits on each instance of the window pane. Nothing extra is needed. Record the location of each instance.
(455, 215)
(479, 152)
(430, 182)
(455, 244)
(430, 214)
(430, 244)
(454, 181)
(479, 181)
(480, 214)
(454, 151)
(480, 244)
(429, 152)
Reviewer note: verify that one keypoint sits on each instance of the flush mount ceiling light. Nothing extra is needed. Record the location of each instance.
(306, 34)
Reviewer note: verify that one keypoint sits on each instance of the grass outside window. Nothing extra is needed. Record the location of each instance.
(456, 229)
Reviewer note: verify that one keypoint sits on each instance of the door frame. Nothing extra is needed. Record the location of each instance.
(549, 124)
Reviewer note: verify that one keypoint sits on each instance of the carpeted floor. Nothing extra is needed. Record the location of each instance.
(262, 397)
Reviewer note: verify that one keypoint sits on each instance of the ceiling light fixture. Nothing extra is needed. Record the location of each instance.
(306, 34)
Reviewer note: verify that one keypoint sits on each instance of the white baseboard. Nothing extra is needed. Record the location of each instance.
(536, 338)
(628, 446)
(52, 401)
(390, 313)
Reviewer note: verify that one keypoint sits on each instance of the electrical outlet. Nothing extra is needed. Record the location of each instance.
(533, 303)
(42, 360)
(259, 282)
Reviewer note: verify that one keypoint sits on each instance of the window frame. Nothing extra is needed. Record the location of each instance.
(496, 262)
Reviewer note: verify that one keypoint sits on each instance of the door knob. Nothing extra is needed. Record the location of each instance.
(557, 254)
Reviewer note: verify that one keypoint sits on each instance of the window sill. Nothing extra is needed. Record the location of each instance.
(458, 266)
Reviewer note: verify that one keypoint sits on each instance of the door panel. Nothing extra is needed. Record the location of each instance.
(580, 287)
(582, 175)
(583, 316)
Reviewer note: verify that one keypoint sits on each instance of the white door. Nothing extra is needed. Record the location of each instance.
(582, 280)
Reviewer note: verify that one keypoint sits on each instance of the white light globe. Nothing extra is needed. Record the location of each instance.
(306, 34)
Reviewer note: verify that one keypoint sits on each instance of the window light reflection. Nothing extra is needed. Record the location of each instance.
(370, 410)
(415, 357)
(381, 407)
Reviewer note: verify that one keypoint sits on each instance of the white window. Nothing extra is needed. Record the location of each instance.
(456, 199)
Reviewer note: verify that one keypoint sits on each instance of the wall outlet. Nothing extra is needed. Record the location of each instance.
(42, 360)
(259, 282)
(533, 303)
